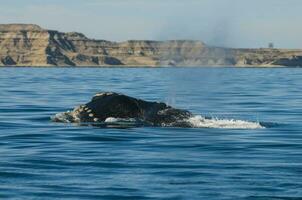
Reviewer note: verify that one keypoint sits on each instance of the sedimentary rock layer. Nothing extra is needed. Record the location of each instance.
(31, 45)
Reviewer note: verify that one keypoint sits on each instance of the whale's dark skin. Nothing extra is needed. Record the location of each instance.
(114, 105)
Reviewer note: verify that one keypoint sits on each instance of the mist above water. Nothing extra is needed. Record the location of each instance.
(234, 23)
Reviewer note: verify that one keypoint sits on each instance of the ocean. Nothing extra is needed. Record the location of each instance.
(249, 148)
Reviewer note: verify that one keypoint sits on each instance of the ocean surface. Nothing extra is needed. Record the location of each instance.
(250, 149)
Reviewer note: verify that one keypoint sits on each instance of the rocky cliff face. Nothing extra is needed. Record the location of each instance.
(31, 45)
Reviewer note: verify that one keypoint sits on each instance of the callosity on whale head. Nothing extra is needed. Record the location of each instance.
(108, 105)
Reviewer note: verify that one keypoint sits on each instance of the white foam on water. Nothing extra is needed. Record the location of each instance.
(65, 117)
(61, 117)
(199, 121)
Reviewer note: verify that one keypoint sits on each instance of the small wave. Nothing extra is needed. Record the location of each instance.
(201, 122)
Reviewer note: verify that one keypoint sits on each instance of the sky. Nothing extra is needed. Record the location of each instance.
(227, 23)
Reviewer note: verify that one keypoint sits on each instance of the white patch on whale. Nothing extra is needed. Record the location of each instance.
(117, 120)
(103, 94)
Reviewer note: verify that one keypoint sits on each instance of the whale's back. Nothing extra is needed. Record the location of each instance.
(114, 105)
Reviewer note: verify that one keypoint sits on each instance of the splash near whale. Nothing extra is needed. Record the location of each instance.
(109, 109)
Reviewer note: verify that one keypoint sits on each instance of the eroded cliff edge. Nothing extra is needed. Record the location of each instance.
(31, 45)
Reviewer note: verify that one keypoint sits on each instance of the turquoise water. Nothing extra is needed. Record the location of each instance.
(45, 160)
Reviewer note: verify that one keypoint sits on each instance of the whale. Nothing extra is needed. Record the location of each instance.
(110, 108)
(116, 110)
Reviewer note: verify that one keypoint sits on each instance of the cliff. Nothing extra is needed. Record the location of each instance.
(31, 45)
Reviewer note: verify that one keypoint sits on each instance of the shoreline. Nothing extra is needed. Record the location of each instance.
(30, 45)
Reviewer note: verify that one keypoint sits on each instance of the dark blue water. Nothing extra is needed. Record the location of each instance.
(45, 160)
